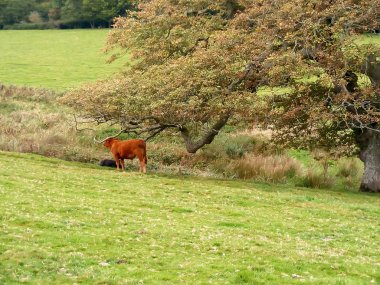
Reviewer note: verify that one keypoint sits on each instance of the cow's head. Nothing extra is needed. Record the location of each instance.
(108, 142)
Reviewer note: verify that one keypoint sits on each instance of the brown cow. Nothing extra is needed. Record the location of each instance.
(128, 149)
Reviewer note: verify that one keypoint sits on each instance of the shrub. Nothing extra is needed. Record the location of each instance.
(349, 167)
(223, 167)
(323, 159)
(231, 146)
(265, 168)
(28, 26)
(350, 171)
(350, 183)
(233, 150)
(55, 139)
(315, 178)
(35, 17)
(164, 153)
(236, 146)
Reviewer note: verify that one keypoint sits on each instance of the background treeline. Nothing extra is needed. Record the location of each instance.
(62, 14)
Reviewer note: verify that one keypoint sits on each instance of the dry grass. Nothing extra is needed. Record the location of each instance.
(277, 168)
(314, 178)
(33, 94)
(349, 167)
(350, 170)
(31, 121)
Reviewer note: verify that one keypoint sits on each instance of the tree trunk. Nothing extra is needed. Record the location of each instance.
(369, 143)
(208, 136)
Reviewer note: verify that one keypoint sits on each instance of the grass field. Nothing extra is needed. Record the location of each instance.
(55, 59)
(71, 223)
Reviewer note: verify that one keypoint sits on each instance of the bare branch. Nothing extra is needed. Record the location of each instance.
(155, 133)
(84, 129)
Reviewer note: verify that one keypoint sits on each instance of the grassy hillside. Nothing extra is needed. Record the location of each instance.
(32, 121)
(55, 59)
(65, 223)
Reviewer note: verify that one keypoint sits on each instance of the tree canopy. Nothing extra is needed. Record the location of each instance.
(200, 64)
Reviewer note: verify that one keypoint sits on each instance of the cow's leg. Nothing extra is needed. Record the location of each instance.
(142, 164)
(122, 164)
(117, 162)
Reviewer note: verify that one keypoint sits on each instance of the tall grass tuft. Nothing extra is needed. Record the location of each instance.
(277, 168)
(315, 178)
(350, 170)
(349, 167)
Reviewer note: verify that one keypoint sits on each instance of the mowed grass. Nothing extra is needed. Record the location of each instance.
(71, 223)
(56, 59)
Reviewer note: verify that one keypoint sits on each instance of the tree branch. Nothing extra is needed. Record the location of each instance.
(192, 49)
(207, 138)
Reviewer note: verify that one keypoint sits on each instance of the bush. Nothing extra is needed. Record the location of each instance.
(276, 168)
(350, 170)
(233, 150)
(323, 158)
(35, 17)
(164, 153)
(30, 26)
(231, 146)
(349, 167)
(315, 178)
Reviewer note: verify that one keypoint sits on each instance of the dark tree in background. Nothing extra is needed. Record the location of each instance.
(14, 11)
(94, 13)
(61, 13)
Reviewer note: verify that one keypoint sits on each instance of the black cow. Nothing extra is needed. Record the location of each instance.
(108, 163)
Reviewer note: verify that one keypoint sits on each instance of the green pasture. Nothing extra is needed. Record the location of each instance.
(56, 59)
(72, 223)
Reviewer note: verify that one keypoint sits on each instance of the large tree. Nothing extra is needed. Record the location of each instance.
(200, 64)
(70, 13)
(93, 12)
(15, 11)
